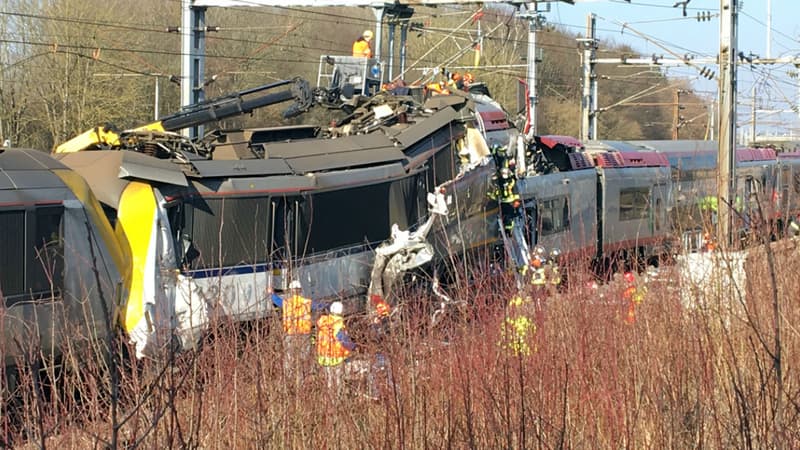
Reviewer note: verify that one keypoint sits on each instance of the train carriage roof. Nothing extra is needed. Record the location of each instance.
(28, 169)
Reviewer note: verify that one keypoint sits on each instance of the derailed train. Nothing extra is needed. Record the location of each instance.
(205, 233)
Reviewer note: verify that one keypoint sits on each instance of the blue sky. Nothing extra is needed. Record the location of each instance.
(660, 20)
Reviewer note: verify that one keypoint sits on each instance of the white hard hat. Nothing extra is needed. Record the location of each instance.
(337, 308)
(295, 284)
(367, 34)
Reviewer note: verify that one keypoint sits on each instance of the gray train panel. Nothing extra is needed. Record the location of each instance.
(561, 211)
(632, 208)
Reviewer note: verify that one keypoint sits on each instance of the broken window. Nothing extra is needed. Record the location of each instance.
(553, 215)
(633, 203)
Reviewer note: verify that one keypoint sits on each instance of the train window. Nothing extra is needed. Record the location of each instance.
(553, 215)
(12, 254)
(225, 232)
(368, 216)
(633, 203)
(658, 214)
(796, 179)
(47, 260)
(31, 254)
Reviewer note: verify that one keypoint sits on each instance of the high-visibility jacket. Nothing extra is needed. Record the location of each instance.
(332, 340)
(297, 315)
(515, 328)
(362, 49)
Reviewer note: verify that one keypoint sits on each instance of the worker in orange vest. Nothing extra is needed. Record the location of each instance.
(632, 295)
(296, 328)
(333, 346)
(362, 47)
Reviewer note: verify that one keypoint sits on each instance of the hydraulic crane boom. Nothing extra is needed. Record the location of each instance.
(243, 102)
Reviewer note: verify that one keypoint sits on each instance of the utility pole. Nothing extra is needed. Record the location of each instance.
(676, 113)
(535, 21)
(193, 55)
(769, 28)
(727, 121)
(589, 101)
(753, 117)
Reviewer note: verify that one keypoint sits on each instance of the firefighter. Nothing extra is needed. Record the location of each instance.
(333, 346)
(539, 263)
(552, 271)
(362, 47)
(517, 327)
(468, 79)
(382, 309)
(632, 296)
(436, 88)
(709, 245)
(455, 81)
(504, 183)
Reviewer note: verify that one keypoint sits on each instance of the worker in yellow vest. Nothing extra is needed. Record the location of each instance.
(517, 327)
(333, 346)
(362, 47)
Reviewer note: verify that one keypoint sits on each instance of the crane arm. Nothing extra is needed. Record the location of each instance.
(241, 102)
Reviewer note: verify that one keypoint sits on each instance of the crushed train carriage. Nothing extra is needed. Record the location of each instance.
(211, 230)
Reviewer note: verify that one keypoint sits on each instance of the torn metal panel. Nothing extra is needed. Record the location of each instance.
(99, 169)
(424, 128)
(444, 101)
(143, 167)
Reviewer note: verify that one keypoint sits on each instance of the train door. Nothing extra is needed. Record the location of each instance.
(658, 212)
(749, 205)
(784, 191)
(531, 222)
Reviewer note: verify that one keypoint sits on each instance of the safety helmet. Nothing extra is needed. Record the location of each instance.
(337, 308)
(555, 253)
(367, 34)
(628, 277)
(539, 251)
(295, 284)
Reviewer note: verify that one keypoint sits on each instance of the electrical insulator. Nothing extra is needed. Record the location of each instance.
(707, 73)
(704, 16)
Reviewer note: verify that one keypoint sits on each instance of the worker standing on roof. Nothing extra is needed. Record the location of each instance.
(504, 181)
(333, 346)
(296, 327)
(362, 47)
